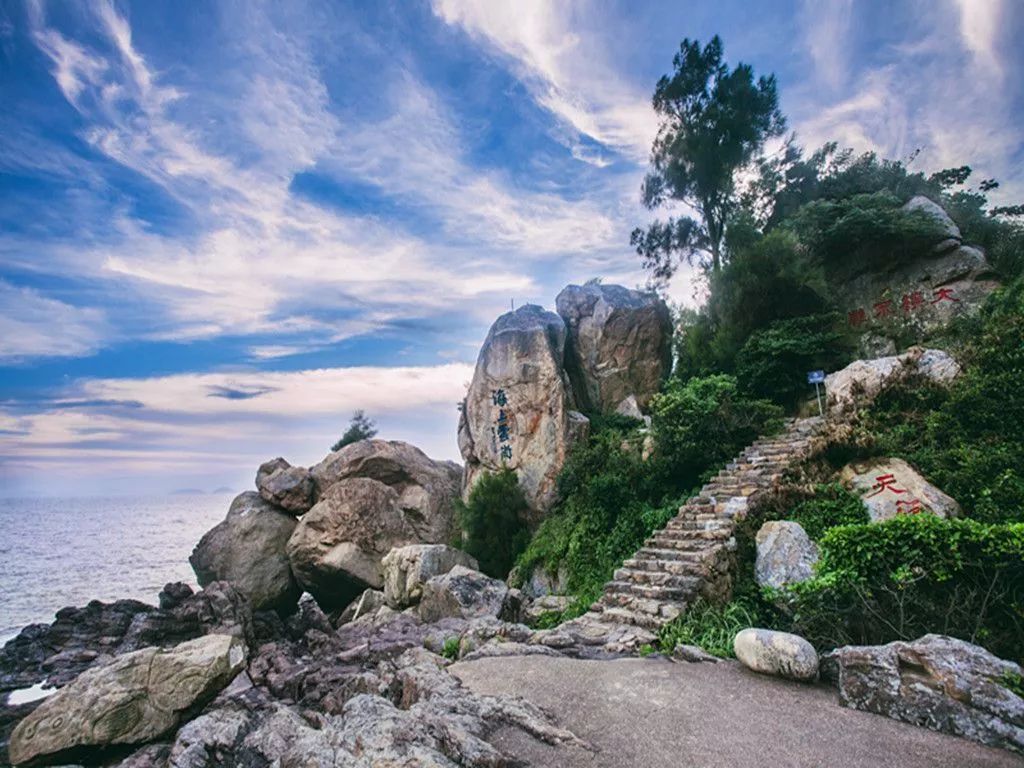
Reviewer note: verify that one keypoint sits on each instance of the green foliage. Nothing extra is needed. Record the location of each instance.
(702, 423)
(1014, 682)
(711, 626)
(450, 649)
(612, 499)
(912, 575)
(865, 232)
(967, 439)
(492, 524)
(774, 362)
(360, 428)
(832, 505)
(713, 122)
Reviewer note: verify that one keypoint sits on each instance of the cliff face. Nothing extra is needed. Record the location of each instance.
(538, 370)
(921, 296)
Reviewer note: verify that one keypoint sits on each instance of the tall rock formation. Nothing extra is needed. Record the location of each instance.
(520, 410)
(619, 344)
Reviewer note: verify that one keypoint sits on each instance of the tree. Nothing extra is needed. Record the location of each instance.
(492, 522)
(360, 428)
(713, 123)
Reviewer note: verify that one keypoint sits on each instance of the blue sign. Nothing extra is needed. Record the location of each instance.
(815, 377)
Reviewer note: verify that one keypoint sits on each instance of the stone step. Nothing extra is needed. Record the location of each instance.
(650, 591)
(615, 615)
(677, 567)
(657, 579)
(670, 555)
(661, 610)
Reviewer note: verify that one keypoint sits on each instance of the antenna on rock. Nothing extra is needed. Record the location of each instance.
(512, 302)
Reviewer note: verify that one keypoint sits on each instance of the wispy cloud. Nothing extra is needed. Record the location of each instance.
(32, 325)
(567, 73)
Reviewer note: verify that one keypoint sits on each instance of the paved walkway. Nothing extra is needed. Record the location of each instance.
(651, 713)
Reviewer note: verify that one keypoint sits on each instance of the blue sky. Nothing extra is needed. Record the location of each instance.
(224, 226)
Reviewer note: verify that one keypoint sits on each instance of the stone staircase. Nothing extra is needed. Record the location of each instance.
(692, 556)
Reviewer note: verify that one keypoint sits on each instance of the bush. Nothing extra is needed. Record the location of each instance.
(492, 524)
(711, 626)
(774, 362)
(864, 232)
(832, 505)
(704, 422)
(912, 575)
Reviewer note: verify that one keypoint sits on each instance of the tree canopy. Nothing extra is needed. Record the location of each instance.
(714, 122)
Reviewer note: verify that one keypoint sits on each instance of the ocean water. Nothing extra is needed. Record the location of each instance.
(58, 552)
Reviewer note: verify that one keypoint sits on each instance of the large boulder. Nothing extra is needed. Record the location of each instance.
(463, 593)
(620, 344)
(922, 295)
(785, 554)
(859, 383)
(427, 489)
(939, 682)
(132, 699)
(248, 550)
(776, 653)
(290, 488)
(407, 569)
(891, 487)
(336, 548)
(519, 411)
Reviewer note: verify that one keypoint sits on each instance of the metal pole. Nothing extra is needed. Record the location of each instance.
(817, 393)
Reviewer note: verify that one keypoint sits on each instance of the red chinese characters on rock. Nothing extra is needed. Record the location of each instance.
(911, 506)
(909, 302)
(885, 483)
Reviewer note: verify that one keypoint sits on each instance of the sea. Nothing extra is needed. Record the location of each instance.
(58, 552)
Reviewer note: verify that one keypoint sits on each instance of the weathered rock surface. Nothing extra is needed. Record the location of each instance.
(936, 681)
(776, 653)
(543, 607)
(336, 549)
(463, 593)
(426, 489)
(619, 344)
(290, 488)
(860, 382)
(407, 569)
(132, 699)
(412, 713)
(891, 487)
(785, 554)
(520, 410)
(630, 408)
(55, 654)
(920, 296)
(248, 550)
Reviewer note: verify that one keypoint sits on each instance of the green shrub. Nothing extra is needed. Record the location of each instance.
(864, 232)
(912, 575)
(492, 524)
(774, 362)
(711, 626)
(702, 423)
(832, 505)
(450, 649)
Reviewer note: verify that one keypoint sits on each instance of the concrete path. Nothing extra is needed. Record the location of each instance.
(652, 713)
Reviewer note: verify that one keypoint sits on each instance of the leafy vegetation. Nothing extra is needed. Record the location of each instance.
(830, 506)
(712, 626)
(612, 498)
(912, 575)
(713, 121)
(492, 522)
(361, 427)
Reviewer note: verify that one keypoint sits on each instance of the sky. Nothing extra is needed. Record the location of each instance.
(224, 226)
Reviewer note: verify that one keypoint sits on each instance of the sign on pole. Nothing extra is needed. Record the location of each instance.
(817, 378)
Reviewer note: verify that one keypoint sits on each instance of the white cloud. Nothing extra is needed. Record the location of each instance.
(224, 424)
(827, 29)
(568, 73)
(979, 28)
(33, 325)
